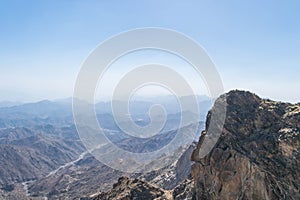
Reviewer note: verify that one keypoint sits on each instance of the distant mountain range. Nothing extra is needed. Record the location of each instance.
(256, 156)
(41, 153)
(9, 103)
(59, 113)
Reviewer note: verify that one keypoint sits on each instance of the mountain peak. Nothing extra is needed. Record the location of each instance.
(259, 143)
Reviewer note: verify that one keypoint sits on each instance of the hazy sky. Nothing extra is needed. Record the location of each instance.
(255, 44)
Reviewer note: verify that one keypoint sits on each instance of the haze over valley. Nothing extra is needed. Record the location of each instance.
(149, 100)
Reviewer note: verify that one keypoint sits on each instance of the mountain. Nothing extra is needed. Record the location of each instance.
(127, 188)
(39, 113)
(29, 154)
(136, 189)
(9, 103)
(88, 176)
(59, 112)
(42, 155)
(257, 155)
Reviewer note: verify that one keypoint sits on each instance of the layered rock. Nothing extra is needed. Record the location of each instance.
(257, 154)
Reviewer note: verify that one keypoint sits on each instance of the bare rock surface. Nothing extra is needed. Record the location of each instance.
(257, 155)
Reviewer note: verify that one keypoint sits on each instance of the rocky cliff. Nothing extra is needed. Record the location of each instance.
(257, 155)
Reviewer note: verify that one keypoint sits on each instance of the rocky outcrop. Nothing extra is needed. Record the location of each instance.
(185, 190)
(172, 175)
(257, 154)
(126, 189)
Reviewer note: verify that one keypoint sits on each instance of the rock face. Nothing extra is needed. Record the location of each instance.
(185, 190)
(257, 155)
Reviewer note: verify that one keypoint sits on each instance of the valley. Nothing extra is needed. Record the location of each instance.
(43, 157)
(256, 157)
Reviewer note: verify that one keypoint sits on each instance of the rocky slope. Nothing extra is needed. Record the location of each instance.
(127, 189)
(257, 155)
(41, 154)
(88, 176)
(30, 154)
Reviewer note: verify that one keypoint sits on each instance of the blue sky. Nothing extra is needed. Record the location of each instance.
(255, 45)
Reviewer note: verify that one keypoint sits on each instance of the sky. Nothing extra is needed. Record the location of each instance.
(255, 45)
